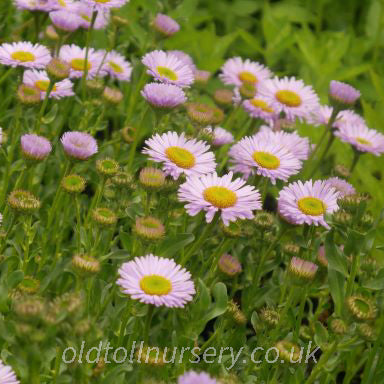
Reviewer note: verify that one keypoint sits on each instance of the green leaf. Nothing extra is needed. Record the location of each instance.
(377, 283)
(321, 334)
(51, 115)
(15, 278)
(174, 243)
(336, 283)
(336, 260)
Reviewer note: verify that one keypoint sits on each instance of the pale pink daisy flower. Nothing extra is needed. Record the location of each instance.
(260, 108)
(237, 71)
(322, 114)
(24, 54)
(308, 202)
(297, 145)
(163, 96)
(180, 155)
(343, 187)
(85, 12)
(40, 80)
(65, 20)
(290, 96)
(362, 138)
(167, 68)
(35, 147)
(343, 93)
(104, 5)
(211, 193)
(75, 57)
(165, 24)
(66, 5)
(347, 117)
(221, 137)
(79, 145)
(35, 5)
(118, 67)
(192, 377)
(7, 375)
(185, 58)
(268, 159)
(157, 281)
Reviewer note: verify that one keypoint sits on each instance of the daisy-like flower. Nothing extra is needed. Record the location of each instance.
(308, 202)
(65, 20)
(362, 138)
(167, 68)
(185, 58)
(35, 147)
(297, 145)
(24, 54)
(7, 376)
(269, 159)
(211, 193)
(35, 5)
(180, 155)
(157, 281)
(75, 57)
(163, 96)
(102, 5)
(343, 187)
(192, 377)
(117, 67)
(85, 12)
(165, 24)
(40, 80)
(221, 137)
(343, 93)
(63, 4)
(290, 96)
(79, 145)
(322, 114)
(260, 108)
(237, 71)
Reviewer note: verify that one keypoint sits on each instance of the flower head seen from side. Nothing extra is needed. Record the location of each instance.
(185, 58)
(362, 138)
(40, 80)
(266, 158)
(221, 137)
(343, 93)
(118, 67)
(79, 145)
(180, 155)
(165, 24)
(163, 96)
(290, 96)
(260, 108)
(167, 68)
(24, 54)
(343, 187)
(192, 377)
(211, 193)
(103, 5)
(65, 20)
(308, 202)
(297, 145)
(75, 57)
(36, 5)
(157, 281)
(322, 114)
(35, 147)
(237, 71)
(83, 10)
(7, 375)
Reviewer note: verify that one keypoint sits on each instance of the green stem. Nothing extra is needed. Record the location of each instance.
(78, 224)
(352, 276)
(6, 74)
(28, 225)
(300, 315)
(134, 97)
(216, 257)
(197, 244)
(57, 365)
(85, 74)
(148, 321)
(43, 106)
(356, 157)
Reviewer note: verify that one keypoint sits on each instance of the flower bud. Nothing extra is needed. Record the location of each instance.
(288, 351)
(291, 249)
(321, 257)
(29, 308)
(122, 179)
(107, 167)
(128, 134)
(202, 77)
(29, 285)
(51, 34)
(342, 171)
(120, 21)
(229, 265)
(149, 228)
(264, 221)
(95, 86)
(85, 264)
(73, 183)
(23, 201)
(343, 94)
(28, 95)
(361, 308)
(302, 269)
(58, 69)
(366, 331)
(248, 90)
(150, 355)
(112, 95)
(104, 216)
(223, 97)
(236, 314)
(342, 218)
(338, 326)
(270, 317)
(152, 178)
(201, 114)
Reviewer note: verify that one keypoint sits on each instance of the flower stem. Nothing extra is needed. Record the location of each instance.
(6, 74)
(352, 276)
(323, 360)
(43, 106)
(148, 321)
(356, 157)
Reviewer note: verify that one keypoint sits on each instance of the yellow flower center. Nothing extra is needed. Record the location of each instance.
(43, 85)
(116, 67)
(247, 77)
(181, 157)
(86, 18)
(102, 1)
(287, 97)
(79, 64)
(23, 56)
(262, 105)
(266, 160)
(220, 197)
(312, 206)
(166, 72)
(62, 3)
(363, 141)
(155, 285)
